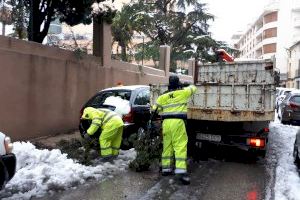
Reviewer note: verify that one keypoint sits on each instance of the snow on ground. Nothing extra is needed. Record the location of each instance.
(43, 171)
(284, 181)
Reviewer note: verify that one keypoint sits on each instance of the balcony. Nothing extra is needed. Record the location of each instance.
(258, 53)
(296, 6)
(297, 22)
(296, 37)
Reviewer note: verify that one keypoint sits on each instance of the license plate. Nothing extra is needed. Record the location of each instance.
(208, 137)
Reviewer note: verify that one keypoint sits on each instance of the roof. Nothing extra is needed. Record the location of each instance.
(127, 87)
(294, 45)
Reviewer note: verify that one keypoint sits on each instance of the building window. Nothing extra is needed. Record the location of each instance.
(269, 48)
(271, 17)
(271, 32)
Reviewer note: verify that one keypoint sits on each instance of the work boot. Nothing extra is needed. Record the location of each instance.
(107, 159)
(183, 178)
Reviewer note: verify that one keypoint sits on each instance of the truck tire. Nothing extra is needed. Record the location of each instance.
(201, 152)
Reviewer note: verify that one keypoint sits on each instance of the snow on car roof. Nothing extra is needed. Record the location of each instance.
(288, 89)
(295, 91)
(127, 87)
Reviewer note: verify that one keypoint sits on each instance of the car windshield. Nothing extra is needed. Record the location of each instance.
(100, 98)
(286, 92)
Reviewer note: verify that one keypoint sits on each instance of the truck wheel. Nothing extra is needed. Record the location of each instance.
(262, 153)
(201, 152)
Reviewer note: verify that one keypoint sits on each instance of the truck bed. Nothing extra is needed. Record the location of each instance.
(231, 92)
(238, 91)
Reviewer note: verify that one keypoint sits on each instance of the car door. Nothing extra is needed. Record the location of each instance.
(141, 106)
(294, 104)
(283, 106)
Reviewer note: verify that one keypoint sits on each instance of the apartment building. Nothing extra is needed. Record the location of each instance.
(272, 35)
(260, 40)
(293, 72)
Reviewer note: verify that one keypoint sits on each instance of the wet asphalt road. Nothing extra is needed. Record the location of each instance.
(234, 176)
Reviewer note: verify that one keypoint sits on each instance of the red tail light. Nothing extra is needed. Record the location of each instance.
(129, 117)
(293, 105)
(267, 130)
(256, 142)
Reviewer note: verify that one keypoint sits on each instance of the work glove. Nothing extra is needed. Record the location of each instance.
(87, 137)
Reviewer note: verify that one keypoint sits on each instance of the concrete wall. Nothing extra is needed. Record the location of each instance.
(43, 88)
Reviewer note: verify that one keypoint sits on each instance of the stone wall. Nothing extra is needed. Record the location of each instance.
(43, 88)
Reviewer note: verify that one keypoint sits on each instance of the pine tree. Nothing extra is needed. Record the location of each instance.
(42, 12)
(122, 29)
(182, 24)
(20, 16)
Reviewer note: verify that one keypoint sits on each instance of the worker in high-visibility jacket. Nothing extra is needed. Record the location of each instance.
(172, 107)
(111, 125)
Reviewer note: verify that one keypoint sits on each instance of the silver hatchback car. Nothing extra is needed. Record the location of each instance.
(289, 109)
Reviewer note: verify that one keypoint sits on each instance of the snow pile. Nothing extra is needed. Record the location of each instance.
(43, 171)
(122, 106)
(285, 181)
(103, 7)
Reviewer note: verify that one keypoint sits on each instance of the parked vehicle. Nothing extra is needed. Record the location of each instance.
(7, 160)
(232, 106)
(139, 100)
(281, 95)
(278, 90)
(296, 152)
(289, 109)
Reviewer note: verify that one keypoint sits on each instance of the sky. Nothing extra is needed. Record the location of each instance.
(232, 16)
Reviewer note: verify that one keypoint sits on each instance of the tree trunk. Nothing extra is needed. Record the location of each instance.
(123, 52)
(3, 28)
(36, 20)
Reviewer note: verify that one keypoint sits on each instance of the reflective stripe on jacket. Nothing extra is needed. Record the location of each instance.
(174, 104)
(101, 118)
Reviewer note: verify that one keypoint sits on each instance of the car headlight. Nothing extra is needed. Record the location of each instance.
(8, 145)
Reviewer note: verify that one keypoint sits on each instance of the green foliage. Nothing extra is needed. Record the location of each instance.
(79, 150)
(42, 12)
(147, 51)
(122, 29)
(168, 23)
(20, 16)
(148, 146)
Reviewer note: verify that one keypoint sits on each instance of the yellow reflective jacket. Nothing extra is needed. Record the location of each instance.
(101, 118)
(174, 104)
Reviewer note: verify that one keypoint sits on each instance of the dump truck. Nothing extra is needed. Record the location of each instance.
(232, 106)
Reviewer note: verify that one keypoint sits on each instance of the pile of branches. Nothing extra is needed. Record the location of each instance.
(148, 145)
